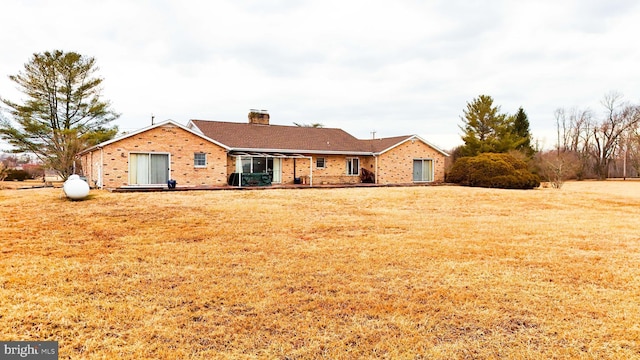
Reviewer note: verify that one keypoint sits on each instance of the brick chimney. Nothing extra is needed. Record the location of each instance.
(258, 117)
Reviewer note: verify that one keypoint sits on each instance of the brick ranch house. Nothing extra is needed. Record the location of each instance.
(211, 153)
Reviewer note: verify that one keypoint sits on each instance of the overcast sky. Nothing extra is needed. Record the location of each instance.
(395, 67)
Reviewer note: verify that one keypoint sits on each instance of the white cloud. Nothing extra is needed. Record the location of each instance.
(398, 67)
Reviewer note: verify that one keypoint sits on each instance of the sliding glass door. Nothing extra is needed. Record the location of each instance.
(148, 169)
(422, 170)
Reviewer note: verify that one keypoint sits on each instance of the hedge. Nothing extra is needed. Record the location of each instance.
(493, 171)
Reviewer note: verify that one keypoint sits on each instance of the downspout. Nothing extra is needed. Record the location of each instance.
(101, 168)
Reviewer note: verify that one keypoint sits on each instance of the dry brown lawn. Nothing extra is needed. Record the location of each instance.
(399, 273)
(14, 185)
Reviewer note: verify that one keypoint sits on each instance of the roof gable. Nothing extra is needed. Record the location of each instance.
(380, 146)
(139, 131)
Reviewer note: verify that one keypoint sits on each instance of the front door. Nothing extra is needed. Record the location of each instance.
(277, 170)
(148, 169)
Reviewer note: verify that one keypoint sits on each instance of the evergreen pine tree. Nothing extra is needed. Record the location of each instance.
(522, 132)
(485, 129)
(63, 112)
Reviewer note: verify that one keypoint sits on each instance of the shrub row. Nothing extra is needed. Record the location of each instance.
(17, 175)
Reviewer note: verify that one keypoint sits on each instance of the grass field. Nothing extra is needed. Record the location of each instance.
(399, 273)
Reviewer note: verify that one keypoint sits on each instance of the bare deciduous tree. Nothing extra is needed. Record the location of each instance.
(596, 143)
(556, 168)
(607, 135)
(574, 136)
(632, 149)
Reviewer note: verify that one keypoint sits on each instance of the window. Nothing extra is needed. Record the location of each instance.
(256, 164)
(422, 170)
(245, 164)
(353, 166)
(260, 164)
(199, 159)
(320, 163)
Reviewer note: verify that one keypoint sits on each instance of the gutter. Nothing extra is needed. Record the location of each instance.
(316, 152)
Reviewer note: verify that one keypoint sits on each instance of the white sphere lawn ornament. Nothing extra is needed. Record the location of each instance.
(75, 188)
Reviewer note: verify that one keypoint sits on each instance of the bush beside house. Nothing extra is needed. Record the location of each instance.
(494, 171)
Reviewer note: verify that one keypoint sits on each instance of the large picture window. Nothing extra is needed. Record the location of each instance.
(353, 166)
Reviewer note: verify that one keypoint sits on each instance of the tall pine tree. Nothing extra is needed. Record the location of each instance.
(63, 112)
(521, 131)
(486, 129)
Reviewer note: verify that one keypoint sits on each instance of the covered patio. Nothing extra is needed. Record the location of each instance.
(249, 163)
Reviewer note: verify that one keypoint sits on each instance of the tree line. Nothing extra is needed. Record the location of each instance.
(587, 145)
(594, 145)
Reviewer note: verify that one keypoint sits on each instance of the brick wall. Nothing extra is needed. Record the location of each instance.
(396, 165)
(89, 168)
(335, 170)
(180, 144)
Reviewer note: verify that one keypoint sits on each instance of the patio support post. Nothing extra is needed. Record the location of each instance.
(310, 171)
(375, 175)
